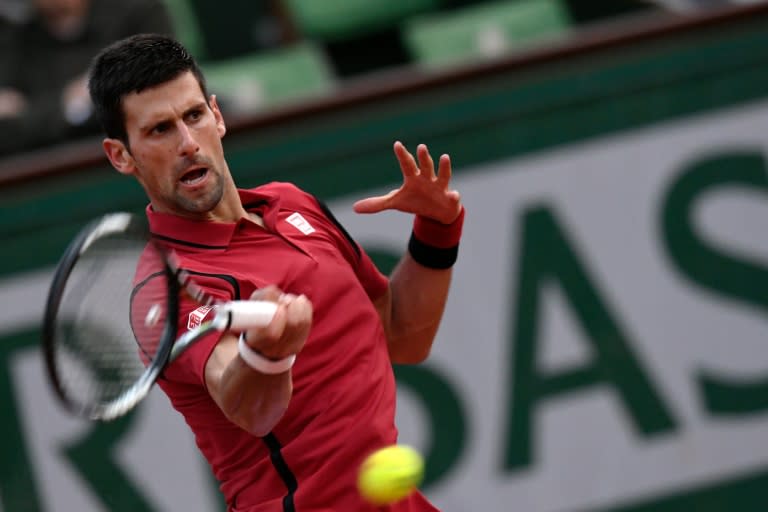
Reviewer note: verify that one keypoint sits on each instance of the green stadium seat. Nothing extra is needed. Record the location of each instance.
(330, 20)
(186, 27)
(485, 30)
(255, 81)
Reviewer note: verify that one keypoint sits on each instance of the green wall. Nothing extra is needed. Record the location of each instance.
(496, 114)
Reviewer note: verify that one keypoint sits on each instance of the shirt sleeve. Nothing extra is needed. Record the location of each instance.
(374, 282)
(189, 368)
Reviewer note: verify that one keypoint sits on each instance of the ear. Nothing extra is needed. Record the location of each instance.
(119, 156)
(220, 126)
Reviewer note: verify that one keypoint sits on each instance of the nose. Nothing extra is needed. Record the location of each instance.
(187, 144)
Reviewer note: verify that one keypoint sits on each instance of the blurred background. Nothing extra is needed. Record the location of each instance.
(605, 345)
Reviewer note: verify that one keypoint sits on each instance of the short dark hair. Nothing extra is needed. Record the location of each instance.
(134, 64)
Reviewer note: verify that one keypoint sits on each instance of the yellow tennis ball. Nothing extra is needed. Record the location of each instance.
(390, 474)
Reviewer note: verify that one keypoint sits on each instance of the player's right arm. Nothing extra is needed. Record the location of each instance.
(253, 400)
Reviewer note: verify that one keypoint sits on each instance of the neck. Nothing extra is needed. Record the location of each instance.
(229, 209)
(255, 218)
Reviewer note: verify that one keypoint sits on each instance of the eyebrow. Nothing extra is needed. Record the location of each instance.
(156, 122)
(196, 106)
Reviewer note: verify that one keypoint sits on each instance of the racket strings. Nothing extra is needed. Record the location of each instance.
(110, 319)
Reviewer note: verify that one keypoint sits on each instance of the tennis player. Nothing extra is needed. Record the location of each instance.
(286, 413)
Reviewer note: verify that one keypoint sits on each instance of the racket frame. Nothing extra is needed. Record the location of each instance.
(109, 224)
(237, 314)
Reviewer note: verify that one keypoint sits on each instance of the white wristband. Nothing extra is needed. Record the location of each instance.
(260, 363)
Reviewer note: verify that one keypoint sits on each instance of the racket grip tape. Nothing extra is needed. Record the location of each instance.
(245, 314)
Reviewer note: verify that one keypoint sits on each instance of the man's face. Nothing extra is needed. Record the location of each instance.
(175, 147)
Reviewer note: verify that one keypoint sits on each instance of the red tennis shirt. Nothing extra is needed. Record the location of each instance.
(343, 404)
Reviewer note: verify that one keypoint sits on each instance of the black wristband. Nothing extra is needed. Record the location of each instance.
(430, 256)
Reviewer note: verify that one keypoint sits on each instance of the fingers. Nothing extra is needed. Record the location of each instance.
(269, 292)
(298, 313)
(425, 189)
(444, 170)
(288, 331)
(405, 158)
(426, 165)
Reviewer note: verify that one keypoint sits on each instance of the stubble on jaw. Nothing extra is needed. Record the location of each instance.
(205, 201)
(201, 203)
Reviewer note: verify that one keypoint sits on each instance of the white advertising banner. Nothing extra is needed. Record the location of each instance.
(606, 201)
(604, 343)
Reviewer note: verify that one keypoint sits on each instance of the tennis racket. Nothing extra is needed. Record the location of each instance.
(111, 318)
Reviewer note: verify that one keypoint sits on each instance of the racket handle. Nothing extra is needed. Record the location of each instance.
(248, 313)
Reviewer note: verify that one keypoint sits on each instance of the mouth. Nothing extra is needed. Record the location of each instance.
(194, 176)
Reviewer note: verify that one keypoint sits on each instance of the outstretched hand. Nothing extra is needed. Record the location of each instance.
(423, 191)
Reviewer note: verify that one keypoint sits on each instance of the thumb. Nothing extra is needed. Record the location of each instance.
(369, 205)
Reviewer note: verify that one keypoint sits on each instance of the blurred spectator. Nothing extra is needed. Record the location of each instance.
(43, 94)
(243, 27)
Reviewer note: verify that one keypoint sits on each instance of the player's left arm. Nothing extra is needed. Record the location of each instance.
(412, 307)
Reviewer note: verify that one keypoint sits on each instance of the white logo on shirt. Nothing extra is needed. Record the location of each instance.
(300, 223)
(197, 316)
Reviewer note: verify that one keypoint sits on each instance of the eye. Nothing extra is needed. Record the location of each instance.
(161, 128)
(195, 115)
